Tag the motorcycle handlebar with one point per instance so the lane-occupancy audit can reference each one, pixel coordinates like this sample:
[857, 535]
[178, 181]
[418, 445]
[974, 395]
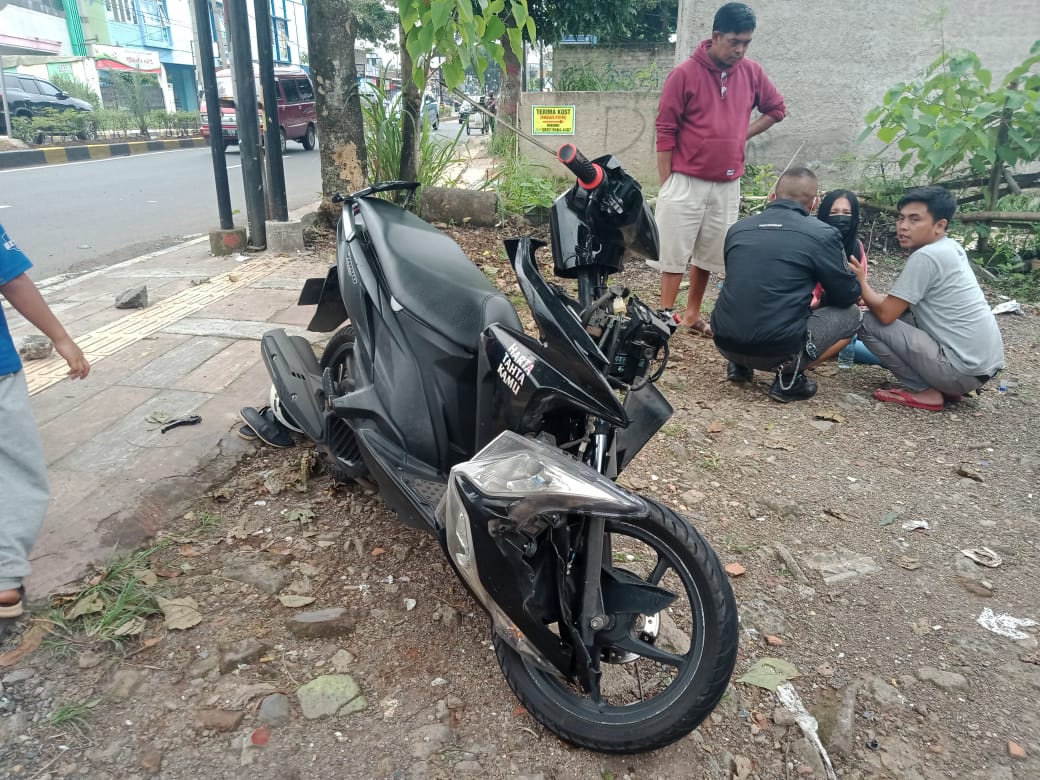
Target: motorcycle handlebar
[590, 175]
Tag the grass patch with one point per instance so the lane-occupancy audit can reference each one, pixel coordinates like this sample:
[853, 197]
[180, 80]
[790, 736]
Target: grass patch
[673, 430]
[74, 715]
[735, 547]
[524, 187]
[711, 461]
[113, 606]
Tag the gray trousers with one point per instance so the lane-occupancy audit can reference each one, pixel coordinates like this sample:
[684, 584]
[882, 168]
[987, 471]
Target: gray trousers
[826, 327]
[916, 359]
[23, 481]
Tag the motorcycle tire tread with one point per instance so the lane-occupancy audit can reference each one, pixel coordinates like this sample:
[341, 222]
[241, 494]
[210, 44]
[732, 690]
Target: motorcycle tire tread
[357, 470]
[630, 738]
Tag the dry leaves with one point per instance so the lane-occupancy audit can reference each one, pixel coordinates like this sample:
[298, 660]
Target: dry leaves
[180, 613]
[31, 640]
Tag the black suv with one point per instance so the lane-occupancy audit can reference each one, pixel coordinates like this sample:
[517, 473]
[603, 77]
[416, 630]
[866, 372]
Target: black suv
[28, 95]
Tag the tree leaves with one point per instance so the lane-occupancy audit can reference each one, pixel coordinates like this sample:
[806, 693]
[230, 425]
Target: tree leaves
[458, 31]
[954, 118]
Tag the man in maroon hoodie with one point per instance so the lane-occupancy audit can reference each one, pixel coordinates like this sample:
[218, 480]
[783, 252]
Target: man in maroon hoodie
[703, 123]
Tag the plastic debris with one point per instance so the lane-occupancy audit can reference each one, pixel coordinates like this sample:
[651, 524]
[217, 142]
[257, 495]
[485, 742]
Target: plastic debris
[916, 525]
[1005, 625]
[1007, 307]
[984, 556]
[788, 697]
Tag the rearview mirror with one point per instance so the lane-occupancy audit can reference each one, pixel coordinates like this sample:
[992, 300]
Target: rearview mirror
[62, 95]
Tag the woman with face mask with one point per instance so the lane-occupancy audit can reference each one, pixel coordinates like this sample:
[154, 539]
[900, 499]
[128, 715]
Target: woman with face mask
[840, 208]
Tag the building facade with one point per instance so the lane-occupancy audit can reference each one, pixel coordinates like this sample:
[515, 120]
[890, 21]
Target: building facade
[93, 40]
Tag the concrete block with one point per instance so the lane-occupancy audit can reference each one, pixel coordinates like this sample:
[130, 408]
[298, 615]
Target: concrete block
[227, 242]
[133, 298]
[285, 236]
[460, 206]
[35, 346]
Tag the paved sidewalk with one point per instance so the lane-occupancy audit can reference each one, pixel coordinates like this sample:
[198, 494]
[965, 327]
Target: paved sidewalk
[115, 479]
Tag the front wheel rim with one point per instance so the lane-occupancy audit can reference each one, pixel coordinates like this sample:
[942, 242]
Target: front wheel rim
[578, 703]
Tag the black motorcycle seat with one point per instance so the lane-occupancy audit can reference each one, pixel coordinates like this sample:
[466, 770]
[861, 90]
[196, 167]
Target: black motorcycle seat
[430, 276]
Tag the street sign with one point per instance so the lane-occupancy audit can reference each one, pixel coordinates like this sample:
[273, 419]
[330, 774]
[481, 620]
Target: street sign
[552, 120]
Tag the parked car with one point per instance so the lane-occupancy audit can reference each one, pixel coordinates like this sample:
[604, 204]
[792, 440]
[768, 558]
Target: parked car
[29, 96]
[428, 108]
[297, 117]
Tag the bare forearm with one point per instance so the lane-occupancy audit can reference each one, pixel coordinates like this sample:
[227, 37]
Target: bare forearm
[760, 125]
[25, 297]
[664, 166]
[871, 297]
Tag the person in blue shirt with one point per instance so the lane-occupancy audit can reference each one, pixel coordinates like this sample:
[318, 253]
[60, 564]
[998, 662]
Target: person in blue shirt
[23, 468]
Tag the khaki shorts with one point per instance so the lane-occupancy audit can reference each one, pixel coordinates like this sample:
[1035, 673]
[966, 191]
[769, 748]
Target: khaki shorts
[693, 216]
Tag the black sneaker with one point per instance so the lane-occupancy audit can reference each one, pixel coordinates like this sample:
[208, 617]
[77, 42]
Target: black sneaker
[800, 389]
[739, 373]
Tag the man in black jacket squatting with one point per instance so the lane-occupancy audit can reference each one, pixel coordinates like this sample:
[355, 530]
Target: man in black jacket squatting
[762, 318]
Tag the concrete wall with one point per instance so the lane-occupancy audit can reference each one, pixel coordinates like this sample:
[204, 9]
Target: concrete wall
[619, 123]
[646, 63]
[833, 60]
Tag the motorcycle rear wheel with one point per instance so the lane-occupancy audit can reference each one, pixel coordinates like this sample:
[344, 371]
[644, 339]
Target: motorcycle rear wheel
[340, 455]
[662, 688]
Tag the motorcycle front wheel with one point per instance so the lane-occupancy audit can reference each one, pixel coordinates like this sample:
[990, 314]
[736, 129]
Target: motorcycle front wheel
[670, 670]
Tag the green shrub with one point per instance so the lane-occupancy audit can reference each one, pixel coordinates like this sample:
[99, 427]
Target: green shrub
[118, 123]
[437, 155]
[606, 78]
[50, 123]
[78, 89]
[23, 129]
[525, 187]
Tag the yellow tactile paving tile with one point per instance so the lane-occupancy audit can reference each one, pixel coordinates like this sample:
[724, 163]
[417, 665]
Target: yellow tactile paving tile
[110, 339]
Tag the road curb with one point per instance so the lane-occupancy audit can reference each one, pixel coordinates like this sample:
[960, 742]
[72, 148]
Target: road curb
[22, 158]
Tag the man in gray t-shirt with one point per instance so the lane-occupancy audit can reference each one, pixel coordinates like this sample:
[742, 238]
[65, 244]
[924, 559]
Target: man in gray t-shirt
[934, 329]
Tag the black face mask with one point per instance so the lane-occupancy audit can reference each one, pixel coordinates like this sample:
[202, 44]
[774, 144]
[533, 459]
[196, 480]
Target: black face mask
[841, 221]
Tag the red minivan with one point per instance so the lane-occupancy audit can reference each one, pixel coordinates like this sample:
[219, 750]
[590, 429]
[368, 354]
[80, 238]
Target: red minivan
[297, 118]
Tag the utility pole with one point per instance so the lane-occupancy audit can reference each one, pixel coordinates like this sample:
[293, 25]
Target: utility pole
[248, 122]
[8, 122]
[277, 207]
[216, 130]
[219, 31]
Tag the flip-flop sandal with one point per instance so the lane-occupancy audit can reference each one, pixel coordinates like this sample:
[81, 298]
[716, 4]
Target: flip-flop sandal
[8, 611]
[897, 395]
[267, 428]
[246, 432]
[701, 328]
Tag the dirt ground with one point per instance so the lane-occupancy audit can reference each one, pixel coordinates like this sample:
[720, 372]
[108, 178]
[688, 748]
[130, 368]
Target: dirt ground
[816, 500]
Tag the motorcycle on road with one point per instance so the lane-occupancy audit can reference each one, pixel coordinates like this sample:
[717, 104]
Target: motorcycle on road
[612, 619]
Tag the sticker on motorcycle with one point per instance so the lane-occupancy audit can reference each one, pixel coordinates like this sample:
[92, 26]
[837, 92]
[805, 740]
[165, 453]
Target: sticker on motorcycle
[515, 367]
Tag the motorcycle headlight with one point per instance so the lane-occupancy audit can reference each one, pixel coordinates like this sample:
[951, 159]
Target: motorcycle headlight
[543, 476]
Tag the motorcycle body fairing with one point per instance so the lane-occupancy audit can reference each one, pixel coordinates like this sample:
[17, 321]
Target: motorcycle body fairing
[422, 399]
[505, 516]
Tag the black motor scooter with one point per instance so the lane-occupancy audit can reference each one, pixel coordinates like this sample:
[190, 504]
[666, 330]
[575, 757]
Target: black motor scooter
[613, 620]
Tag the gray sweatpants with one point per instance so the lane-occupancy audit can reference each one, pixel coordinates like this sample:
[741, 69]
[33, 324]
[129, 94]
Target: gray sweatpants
[916, 359]
[23, 481]
[826, 327]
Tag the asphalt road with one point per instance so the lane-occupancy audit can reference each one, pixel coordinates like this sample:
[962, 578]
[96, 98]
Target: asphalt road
[75, 217]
